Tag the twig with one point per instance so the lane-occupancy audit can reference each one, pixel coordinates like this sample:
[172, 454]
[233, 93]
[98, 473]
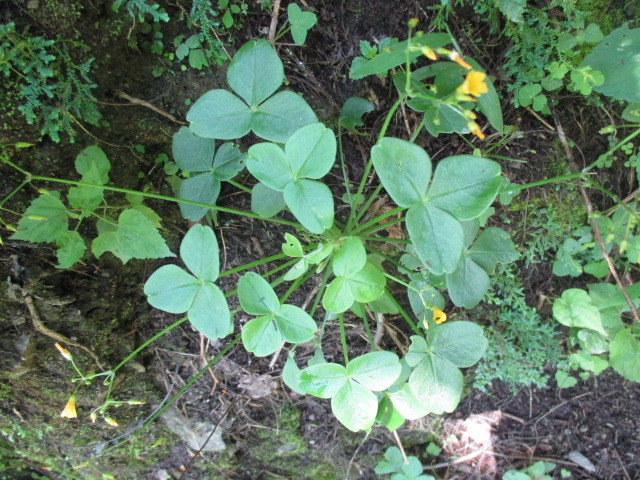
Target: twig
[43, 329]
[626, 474]
[274, 21]
[559, 406]
[203, 357]
[397, 439]
[455, 461]
[137, 101]
[594, 225]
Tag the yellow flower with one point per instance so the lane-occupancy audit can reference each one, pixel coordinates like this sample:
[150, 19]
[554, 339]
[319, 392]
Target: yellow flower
[111, 421]
[455, 57]
[70, 408]
[475, 129]
[64, 352]
[429, 53]
[474, 84]
[439, 316]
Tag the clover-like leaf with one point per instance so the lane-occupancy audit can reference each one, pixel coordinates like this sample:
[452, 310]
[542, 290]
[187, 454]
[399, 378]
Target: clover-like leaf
[300, 22]
[311, 202]
[376, 371]
[350, 257]
[311, 151]
[352, 111]
[355, 406]
[256, 295]
[323, 380]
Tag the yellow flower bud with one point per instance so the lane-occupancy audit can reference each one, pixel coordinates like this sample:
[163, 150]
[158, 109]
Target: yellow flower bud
[70, 408]
[111, 421]
[439, 316]
[474, 84]
[64, 352]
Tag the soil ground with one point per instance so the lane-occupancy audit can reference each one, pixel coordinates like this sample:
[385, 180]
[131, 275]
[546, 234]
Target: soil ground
[269, 432]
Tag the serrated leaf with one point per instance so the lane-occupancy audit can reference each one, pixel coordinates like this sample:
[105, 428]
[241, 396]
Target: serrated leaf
[134, 237]
[624, 355]
[45, 220]
[575, 309]
[71, 247]
[93, 165]
[352, 111]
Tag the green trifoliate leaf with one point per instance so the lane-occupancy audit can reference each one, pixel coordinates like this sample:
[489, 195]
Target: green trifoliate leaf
[323, 380]
[71, 247]
[575, 309]
[376, 371]
[468, 284]
[465, 186]
[134, 237]
[294, 324]
[363, 286]
[281, 115]
[256, 295]
[45, 220]
[210, 313]
[191, 152]
[292, 246]
[203, 188]
[260, 336]
[311, 151]
[199, 251]
[355, 406]
[349, 258]
[437, 384]
[171, 289]
[255, 72]
[406, 403]
[352, 111]
[461, 343]
[404, 170]
[311, 202]
[493, 246]
[300, 22]
[437, 237]
[625, 354]
[585, 78]
[268, 163]
[266, 201]
[220, 114]
[228, 162]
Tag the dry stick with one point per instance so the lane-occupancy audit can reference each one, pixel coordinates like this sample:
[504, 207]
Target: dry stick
[594, 225]
[455, 461]
[274, 21]
[42, 328]
[137, 101]
[626, 474]
[397, 439]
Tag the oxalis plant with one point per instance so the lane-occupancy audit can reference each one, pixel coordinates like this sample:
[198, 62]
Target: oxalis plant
[443, 208]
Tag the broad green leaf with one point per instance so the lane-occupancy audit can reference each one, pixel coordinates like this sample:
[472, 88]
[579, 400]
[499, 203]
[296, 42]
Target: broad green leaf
[44, 221]
[291, 375]
[591, 34]
[564, 381]
[575, 309]
[93, 165]
[368, 284]
[292, 246]
[441, 117]
[71, 247]
[199, 251]
[468, 284]
[171, 289]
[437, 237]
[617, 57]
[210, 313]
[295, 325]
[311, 202]
[423, 297]
[191, 152]
[624, 354]
[386, 304]
[255, 72]
[527, 93]
[268, 163]
[437, 384]
[376, 371]
[462, 343]
[300, 22]
[202, 188]
[296, 271]
[256, 295]
[261, 337]
[404, 170]
[355, 406]
[198, 59]
[228, 162]
[266, 201]
[493, 246]
[464, 185]
[281, 115]
[631, 113]
[311, 151]
[134, 237]
[388, 416]
[337, 297]
[87, 199]
[349, 258]
[394, 55]
[512, 9]
[406, 403]
[323, 380]
[220, 114]
[584, 78]
[352, 111]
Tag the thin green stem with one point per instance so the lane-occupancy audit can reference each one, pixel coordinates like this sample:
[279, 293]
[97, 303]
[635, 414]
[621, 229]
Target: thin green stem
[401, 282]
[343, 339]
[239, 185]
[592, 183]
[166, 198]
[257, 263]
[344, 168]
[323, 285]
[15, 190]
[373, 225]
[392, 260]
[384, 239]
[618, 145]
[405, 315]
[296, 283]
[367, 329]
[365, 206]
[561, 178]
